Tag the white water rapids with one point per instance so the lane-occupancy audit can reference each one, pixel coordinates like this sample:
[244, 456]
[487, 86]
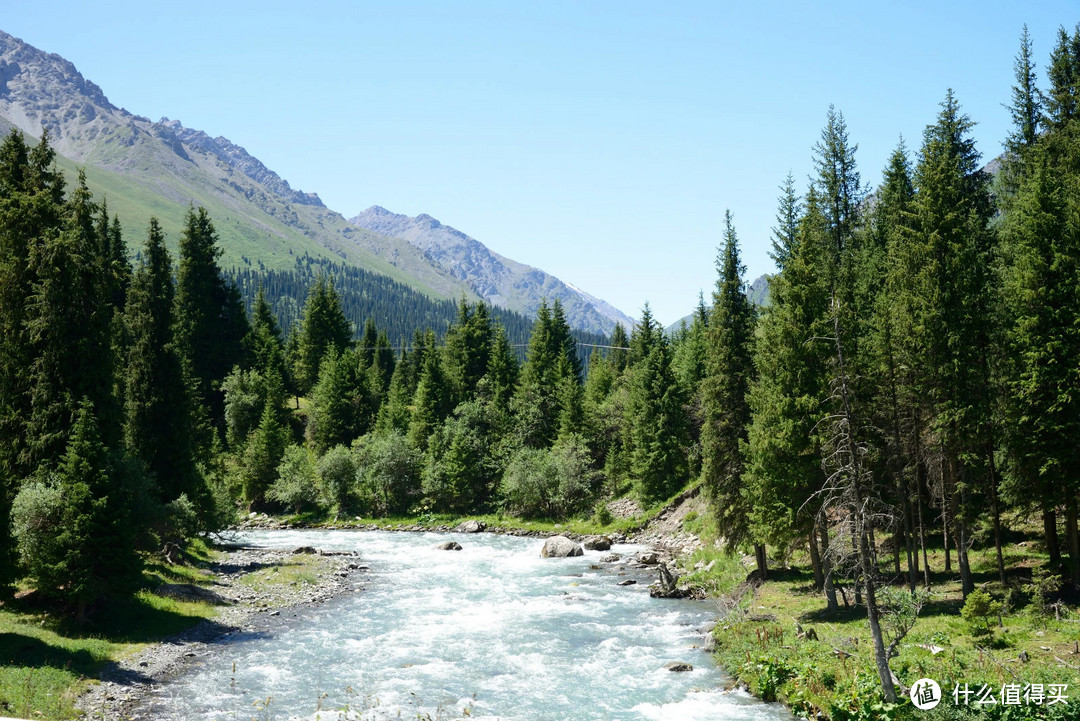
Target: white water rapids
[490, 632]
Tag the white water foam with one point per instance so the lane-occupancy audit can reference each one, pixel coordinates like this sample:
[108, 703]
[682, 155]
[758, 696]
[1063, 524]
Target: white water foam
[492, 631]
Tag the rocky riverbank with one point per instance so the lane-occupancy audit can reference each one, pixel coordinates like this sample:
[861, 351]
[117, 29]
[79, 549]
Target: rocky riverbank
[256, 589]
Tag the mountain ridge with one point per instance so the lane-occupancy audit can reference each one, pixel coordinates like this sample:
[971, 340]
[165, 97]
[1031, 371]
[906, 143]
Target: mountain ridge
[494, 277]
[159, 168]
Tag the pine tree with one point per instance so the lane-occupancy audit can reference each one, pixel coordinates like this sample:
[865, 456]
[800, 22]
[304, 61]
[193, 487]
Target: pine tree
[729, 372]
[787, 223]
[620, 345]
[341, 402]
[69, 320]
[1062, 101]
[263, 455]
[157, 420]
[211, 323]
[31, 205]
[656, 417]
[952, 251]
[94, 552]
[1041, 251]
[432, 402]
[1026, 108]
[324, 326]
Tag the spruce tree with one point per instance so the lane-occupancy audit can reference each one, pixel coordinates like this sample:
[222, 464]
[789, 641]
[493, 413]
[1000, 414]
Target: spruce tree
[656, 417]
[324, 326]
[787, 223]
[211, 323]
[69, 323]
[94, 551]
[157, 408]
[729, 371]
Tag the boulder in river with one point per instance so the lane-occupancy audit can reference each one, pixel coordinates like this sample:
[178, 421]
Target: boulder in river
[471, 527]
[449, 546]
[679, 667]
[560, 547]
[305, 549]
[597, 543]
[649, 559]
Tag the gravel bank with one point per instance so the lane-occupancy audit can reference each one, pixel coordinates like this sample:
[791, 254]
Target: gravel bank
[245, 608]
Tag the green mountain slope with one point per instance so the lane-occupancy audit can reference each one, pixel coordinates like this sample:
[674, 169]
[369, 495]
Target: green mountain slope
[146, 168]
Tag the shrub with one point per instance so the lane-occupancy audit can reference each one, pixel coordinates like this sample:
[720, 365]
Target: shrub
[555, 483]
[388, 471]
[338, 474]
[602, 514]
[980, 610]
[297, 484]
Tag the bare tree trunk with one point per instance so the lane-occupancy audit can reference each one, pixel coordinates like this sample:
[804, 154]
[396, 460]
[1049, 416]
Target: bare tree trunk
[1072, 537]
[1050, 535]
[919, 476]
[861, 518]
[944, 518]
[826, 561]
[967, 583]
[858, 589]
[762, 561]
[996, 508]
[815, 560]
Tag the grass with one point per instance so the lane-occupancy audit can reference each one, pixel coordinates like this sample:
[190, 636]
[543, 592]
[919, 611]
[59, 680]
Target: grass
[47, 660]
[835, 674]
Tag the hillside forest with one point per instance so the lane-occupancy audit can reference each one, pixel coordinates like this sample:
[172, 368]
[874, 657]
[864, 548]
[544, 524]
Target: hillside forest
[915, 373]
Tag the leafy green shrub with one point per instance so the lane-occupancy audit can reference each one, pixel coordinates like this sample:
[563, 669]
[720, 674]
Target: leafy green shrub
[553, 483]
[767, 675]
[388, 471]
[36, 518]
[979, 611]
[297, 484]
[338, 474]
[602, 514]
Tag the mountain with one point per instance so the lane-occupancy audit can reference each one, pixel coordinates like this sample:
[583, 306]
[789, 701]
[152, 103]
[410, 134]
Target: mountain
[146, 168]
[495, 278]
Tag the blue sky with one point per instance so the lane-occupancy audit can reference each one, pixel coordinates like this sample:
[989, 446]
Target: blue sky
[600, 141]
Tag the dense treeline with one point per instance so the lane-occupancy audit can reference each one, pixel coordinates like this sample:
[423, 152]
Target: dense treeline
[400, 310]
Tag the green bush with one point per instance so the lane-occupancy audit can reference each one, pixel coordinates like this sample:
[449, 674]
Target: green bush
[980, 610]
[388, 472]
[602, 514]
[338, 474]
[297, 484]
[554, 483]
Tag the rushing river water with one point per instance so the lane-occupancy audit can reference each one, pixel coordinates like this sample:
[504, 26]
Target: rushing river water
[493, 631]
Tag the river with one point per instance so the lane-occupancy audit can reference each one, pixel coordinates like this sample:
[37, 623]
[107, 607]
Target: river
[490, 632]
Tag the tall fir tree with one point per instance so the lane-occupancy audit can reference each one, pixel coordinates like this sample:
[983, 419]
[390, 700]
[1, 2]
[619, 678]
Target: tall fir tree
[729, 371]
[324, 326]
[157, 407]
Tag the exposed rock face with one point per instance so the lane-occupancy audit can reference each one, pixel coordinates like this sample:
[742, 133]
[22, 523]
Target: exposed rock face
[449, 546]
[560, 547]
[498, 280]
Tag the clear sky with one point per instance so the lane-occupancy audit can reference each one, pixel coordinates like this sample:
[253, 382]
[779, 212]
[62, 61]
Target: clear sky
[600, 141]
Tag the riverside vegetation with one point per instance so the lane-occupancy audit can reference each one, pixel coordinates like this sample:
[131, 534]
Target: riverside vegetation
[885, 427]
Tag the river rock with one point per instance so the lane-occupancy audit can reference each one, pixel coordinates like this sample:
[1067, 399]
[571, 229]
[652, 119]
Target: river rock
[627, 582]
[649, 559]
[471, 527]
[305, 549]
[449, 546]
[679, 667]
[560, 547]
[597, 543]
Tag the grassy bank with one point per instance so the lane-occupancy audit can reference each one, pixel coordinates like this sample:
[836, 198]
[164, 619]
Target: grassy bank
[829, 669]
[47, 659]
